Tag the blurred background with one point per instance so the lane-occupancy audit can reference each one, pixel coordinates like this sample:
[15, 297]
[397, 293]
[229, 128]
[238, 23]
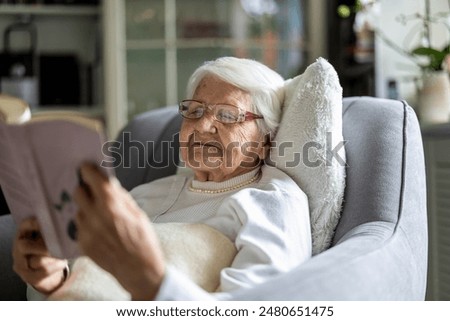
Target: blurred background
[117, 58]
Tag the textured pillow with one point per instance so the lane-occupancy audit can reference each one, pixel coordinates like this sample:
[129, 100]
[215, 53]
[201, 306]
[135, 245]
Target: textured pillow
[309, 146]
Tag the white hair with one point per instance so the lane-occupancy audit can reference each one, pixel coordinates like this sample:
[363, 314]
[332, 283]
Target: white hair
[264, 85]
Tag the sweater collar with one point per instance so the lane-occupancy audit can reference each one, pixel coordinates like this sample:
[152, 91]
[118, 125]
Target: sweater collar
[230, 184]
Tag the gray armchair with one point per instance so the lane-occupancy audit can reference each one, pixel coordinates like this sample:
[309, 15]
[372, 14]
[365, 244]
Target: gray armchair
[379, 250]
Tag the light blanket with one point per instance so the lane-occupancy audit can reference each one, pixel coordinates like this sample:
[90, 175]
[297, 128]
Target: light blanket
[197, 250]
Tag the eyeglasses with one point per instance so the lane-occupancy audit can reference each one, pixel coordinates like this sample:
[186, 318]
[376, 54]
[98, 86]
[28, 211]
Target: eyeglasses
[224, 113]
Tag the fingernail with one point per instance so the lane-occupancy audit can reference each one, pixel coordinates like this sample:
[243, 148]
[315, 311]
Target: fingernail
[82, 182]
[81, 176]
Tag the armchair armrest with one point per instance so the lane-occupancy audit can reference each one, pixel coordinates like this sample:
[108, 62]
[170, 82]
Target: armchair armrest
[373, 261]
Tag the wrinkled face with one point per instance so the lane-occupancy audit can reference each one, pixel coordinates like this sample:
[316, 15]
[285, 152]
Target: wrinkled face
[217, 151]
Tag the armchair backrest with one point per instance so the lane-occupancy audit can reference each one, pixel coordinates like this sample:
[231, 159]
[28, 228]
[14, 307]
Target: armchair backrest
[386, 169]
[148, 147]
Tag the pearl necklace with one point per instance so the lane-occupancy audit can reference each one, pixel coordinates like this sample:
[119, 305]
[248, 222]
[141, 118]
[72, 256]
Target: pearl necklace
[227, 189]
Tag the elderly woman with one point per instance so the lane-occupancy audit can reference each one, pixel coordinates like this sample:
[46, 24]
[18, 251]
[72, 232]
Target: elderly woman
[233, 107]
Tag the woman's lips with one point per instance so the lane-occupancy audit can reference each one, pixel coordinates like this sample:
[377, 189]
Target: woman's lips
[204, 143]
[208, 144]
[206, 149]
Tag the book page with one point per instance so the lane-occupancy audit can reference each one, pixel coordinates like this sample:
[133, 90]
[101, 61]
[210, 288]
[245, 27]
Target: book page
[72, 116]
[59, 148]
[17, 177]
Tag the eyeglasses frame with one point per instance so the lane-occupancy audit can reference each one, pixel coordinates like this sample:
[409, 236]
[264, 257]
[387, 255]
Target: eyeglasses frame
[247, 116]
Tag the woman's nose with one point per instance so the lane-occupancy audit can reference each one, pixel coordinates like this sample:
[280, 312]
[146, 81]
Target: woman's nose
[206, 123]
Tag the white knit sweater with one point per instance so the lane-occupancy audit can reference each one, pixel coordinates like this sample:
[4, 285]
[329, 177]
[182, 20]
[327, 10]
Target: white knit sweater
[268, 220]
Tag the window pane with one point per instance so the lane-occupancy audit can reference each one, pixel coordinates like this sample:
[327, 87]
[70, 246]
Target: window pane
[144, 19]
[146, 80]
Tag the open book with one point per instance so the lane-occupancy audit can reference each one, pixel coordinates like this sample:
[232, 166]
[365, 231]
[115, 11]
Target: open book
[39, 162]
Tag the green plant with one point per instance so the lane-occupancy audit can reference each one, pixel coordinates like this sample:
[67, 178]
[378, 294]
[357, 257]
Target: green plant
[426, 56]
[435, 57]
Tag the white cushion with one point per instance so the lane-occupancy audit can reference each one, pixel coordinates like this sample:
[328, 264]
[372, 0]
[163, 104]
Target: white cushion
[312, 111]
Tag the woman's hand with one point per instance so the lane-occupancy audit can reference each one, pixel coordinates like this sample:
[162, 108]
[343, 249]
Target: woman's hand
[115, 233]
[33, 263]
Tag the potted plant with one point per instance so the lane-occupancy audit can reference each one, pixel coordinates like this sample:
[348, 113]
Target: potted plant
[434, 91]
